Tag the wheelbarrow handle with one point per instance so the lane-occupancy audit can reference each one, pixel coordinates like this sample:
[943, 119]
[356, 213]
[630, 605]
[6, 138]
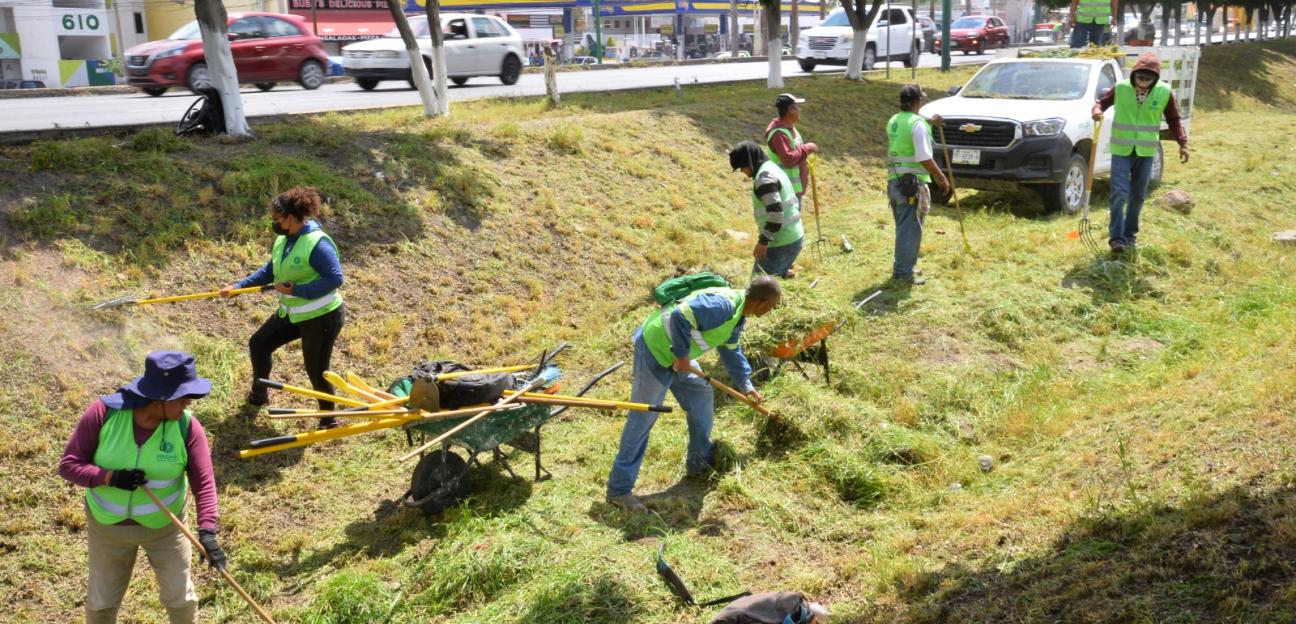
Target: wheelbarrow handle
[592, 382]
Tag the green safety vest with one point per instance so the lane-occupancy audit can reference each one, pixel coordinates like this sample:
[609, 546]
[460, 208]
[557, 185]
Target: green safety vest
[296, 268]
[163, 458]
[1093, 12]
[792, 230]
[794, 138]
[900, 151]
[1137, 128]
[656, 330]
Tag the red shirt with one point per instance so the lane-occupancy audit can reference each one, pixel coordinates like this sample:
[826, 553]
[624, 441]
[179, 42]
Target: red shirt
[1107, 99]
[787, 156]
[77, 465]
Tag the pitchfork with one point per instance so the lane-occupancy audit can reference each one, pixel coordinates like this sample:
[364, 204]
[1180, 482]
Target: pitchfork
[814, 192]
[1085, 230]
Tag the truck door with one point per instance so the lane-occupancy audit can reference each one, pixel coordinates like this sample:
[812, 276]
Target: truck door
[1106, 80]
[901, 34]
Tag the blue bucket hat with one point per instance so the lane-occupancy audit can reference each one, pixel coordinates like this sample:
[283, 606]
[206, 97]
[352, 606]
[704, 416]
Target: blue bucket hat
[168, 375]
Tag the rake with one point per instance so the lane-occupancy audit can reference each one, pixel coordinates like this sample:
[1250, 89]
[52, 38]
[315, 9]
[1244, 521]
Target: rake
[814, 192]
[1084, 231]
[128, 300]
[958, 208]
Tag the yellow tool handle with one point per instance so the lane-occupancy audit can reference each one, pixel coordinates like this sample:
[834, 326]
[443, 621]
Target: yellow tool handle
[558, 399]
[731, 392]
[339, 382]
[265, 615]
[1093, 155]
[201, 295]
[483, 371]
[314, 394]
[358, 382]
[365, 414]
[283, 443]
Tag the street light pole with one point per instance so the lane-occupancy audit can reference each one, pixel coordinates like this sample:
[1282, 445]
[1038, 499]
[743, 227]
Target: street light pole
[598, 33]
[945, 35]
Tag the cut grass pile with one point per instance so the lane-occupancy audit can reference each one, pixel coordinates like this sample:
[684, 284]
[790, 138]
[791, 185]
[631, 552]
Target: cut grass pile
[1136, 411]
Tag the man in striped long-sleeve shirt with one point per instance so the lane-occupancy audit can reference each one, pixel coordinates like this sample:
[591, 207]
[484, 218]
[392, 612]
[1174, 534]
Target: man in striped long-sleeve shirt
[776, 209]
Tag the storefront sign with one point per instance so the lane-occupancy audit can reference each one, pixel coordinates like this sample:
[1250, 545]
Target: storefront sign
[9, 46]
[340, 5]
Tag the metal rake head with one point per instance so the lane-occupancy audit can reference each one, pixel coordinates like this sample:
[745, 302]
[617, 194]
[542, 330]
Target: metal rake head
[115, 303]
[1087, 236]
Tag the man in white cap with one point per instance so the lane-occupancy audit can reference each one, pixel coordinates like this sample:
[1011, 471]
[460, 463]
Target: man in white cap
[783, 143]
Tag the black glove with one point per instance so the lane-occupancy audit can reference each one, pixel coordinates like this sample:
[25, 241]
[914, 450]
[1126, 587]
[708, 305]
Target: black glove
[215, 556]
[127, 479]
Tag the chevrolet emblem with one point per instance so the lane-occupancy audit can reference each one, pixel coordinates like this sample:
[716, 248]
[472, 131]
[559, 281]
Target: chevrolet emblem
[970, 128]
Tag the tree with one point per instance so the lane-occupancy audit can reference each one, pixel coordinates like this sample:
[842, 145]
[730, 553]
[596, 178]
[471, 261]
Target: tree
[861, 20]
[733, 29]
[773, 13]
[213, 23]
[434, 99]
[794, 25]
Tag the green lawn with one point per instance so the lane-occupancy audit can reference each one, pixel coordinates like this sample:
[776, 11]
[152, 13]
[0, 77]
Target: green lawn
[1136, 411]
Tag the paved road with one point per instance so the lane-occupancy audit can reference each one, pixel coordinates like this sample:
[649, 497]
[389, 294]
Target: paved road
[45, 113]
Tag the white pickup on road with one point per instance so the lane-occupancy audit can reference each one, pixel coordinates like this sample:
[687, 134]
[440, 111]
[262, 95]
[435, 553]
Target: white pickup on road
[1027, 121]
[894, 36]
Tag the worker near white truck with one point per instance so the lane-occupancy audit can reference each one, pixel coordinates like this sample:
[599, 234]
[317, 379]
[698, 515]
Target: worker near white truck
[911, 166]
[1135, 135]
[1089, 20]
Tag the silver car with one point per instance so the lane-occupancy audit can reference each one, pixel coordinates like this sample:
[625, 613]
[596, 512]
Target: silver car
[475, 45]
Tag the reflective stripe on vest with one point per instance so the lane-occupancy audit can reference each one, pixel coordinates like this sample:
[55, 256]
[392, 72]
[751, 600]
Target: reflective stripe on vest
[900, 149]
[164, 459]
[1093, 12]
[295, 267]
[794, 140]
[1137, 127]
[657, 331]
[792, 230]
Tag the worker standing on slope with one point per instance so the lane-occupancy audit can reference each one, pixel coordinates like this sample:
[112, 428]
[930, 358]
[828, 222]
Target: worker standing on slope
[1140, 104]
[776, 208]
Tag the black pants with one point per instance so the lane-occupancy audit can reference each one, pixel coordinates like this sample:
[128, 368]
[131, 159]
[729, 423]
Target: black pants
[317, 336]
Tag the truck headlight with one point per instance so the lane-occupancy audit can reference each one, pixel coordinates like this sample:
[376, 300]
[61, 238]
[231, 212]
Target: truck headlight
[1044, 127]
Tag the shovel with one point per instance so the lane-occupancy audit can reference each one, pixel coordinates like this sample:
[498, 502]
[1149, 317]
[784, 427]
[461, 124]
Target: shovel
[125, 301]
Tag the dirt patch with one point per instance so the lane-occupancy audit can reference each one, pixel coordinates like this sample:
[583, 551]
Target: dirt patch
[1138, 346]
[1080, 356]
[946, 347]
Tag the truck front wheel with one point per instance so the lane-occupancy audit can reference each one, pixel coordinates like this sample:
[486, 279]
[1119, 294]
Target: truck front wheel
[1067, 195]
[806, 66]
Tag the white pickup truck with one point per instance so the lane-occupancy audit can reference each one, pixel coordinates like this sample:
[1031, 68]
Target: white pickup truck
[1026, 121]
[894, 36]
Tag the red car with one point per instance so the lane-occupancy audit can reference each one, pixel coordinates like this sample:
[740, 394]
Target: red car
[975, 33]
[267, 48]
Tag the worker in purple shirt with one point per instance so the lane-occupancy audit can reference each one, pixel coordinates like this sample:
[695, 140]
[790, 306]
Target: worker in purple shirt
[666, 346]
[143, 436]
[307, 274]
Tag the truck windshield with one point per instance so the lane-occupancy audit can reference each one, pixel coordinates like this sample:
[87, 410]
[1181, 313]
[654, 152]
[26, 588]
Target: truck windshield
[1030, 81]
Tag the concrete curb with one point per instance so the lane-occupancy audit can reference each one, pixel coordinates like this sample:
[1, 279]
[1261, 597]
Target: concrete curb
[634, 64]
[12, 94]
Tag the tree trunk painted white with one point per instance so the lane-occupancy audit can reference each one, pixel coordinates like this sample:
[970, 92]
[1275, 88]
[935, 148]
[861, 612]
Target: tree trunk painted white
[418, 71]
[855, 62]
[438, 56]
[551, 77]
[213, 23]
[775, 79]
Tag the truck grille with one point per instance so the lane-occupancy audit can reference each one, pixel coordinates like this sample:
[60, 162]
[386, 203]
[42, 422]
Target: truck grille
[358, 54]
[822, 43]
[987, 134]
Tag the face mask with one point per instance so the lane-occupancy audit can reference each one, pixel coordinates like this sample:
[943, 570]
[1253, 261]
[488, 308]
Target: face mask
[277, 229]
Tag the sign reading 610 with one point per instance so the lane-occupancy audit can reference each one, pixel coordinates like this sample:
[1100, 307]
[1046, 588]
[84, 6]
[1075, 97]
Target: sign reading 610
[81, 22]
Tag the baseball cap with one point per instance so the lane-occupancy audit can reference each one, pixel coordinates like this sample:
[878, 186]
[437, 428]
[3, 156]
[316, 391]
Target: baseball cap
[787, 99]
[911, 93]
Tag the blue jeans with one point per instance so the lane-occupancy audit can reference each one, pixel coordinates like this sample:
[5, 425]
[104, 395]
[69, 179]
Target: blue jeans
[909, 227]
[1084, 34]
[649, 384]
[778, 259]
[1129, 184]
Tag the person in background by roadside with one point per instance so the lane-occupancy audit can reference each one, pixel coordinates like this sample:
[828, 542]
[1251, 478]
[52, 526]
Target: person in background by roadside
[307, 274]
[776, 208]
[144, 437]
[911, 167]
[783, 142]
[666, 346]
[1140, 104]
[1089, 20]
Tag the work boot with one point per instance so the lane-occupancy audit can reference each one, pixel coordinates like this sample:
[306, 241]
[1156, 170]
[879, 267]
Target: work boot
[629, 504]
[1117, 247]
[256, 399]
[329, 423]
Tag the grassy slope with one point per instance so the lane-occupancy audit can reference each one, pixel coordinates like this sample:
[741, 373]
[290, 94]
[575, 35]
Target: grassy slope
[1134, 410]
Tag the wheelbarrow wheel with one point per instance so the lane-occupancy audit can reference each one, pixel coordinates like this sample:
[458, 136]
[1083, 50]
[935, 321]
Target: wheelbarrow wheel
[440, 480]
